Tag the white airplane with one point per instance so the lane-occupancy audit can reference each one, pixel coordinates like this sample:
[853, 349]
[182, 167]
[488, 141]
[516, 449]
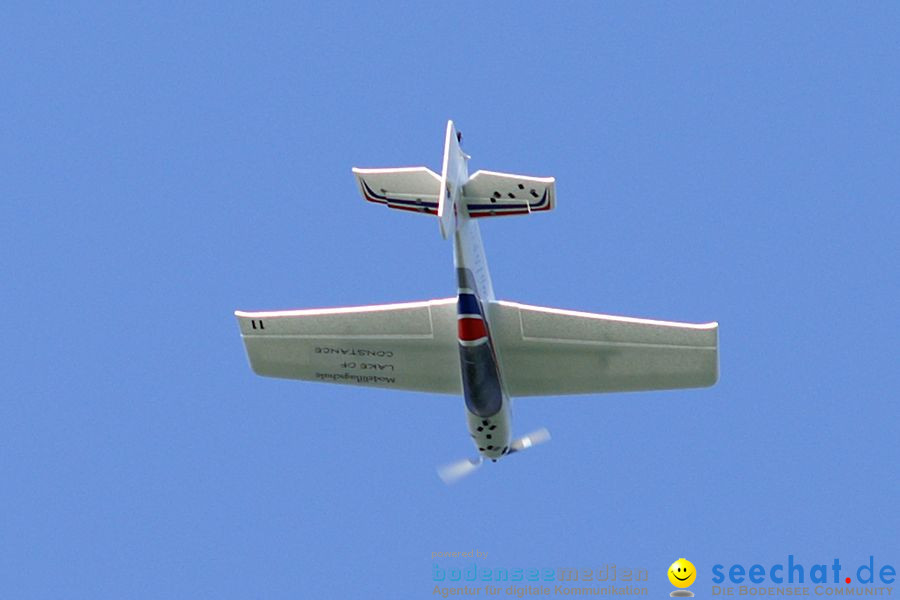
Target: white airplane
[487, 350]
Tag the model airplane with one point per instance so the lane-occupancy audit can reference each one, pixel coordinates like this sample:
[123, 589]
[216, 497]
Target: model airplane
[472, 344]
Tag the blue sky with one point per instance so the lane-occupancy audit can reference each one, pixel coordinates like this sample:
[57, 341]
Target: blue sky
[165, 165]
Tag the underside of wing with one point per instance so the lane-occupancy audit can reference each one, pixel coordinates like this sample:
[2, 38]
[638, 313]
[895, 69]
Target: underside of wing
[492, 194]
[409, 346]
[548, 352]
[406, 188]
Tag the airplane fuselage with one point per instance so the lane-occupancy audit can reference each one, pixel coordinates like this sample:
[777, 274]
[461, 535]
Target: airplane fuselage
[487, 403]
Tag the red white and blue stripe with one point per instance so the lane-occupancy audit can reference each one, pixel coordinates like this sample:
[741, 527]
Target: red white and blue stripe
[417, 205]
[472, 330]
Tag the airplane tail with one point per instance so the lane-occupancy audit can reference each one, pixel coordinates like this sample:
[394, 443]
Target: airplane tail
[454, 173]
[453, 195]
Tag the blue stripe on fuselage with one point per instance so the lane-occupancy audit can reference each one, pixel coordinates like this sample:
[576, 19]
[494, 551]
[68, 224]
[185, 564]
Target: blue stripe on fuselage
[467, 304]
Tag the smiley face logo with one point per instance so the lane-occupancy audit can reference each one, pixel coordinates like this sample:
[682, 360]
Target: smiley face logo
[682, 573]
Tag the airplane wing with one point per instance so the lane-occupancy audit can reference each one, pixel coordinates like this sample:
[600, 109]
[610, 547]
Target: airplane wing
[549, 352]
[410, 346]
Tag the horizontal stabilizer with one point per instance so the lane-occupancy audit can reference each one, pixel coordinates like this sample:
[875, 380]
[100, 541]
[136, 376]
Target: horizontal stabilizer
[490, 194]
[408, 188]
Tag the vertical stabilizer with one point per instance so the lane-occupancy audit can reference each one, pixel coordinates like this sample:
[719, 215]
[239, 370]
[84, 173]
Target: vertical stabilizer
[454, 174]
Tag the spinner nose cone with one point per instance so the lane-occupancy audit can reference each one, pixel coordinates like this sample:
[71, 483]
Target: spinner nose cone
[492, 452]
[491, 438]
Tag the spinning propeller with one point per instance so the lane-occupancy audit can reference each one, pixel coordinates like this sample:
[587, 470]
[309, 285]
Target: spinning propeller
[455, 471]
